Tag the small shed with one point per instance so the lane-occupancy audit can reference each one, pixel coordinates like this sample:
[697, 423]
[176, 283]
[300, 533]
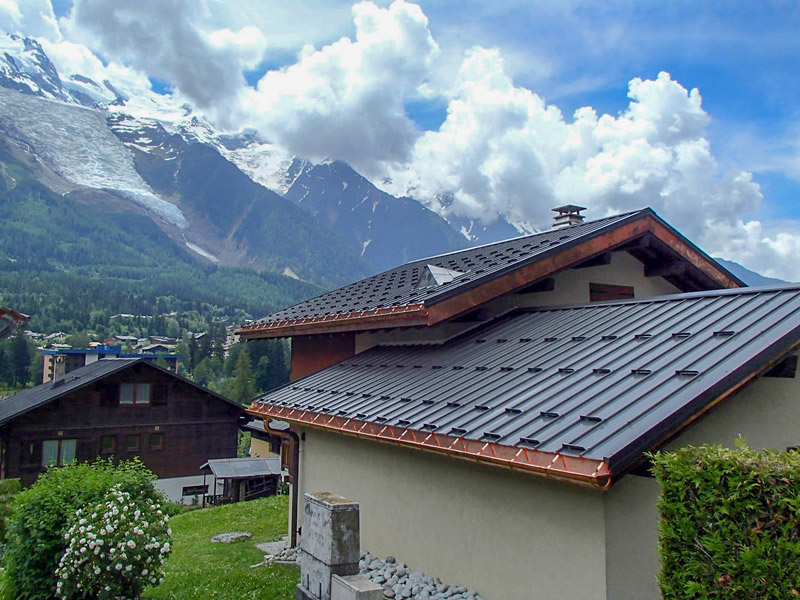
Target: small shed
[242, 478]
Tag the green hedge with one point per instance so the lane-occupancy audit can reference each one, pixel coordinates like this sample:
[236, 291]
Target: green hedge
[9, 488]
[43, 513]
[730, 523]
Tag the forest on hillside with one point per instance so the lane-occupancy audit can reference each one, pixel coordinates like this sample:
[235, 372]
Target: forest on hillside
[72, 267]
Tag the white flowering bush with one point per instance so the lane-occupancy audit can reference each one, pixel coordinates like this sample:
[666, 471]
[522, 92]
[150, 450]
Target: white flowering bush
[114, 548]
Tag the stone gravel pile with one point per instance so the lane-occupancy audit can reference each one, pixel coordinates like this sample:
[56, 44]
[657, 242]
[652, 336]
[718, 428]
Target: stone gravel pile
[291, 555]
[400, 582]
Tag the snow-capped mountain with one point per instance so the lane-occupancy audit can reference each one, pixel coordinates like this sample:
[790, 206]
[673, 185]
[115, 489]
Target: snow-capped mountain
[227, 197]
[386, 230]
[25, 67]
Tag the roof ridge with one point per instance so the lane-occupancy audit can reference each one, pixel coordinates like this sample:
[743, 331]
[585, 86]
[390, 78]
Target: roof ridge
[520, 237]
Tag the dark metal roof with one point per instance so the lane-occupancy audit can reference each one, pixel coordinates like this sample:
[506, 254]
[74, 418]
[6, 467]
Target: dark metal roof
[600, 381]
[398, 287]
[242, 468]
[40, 395]
[37, 396]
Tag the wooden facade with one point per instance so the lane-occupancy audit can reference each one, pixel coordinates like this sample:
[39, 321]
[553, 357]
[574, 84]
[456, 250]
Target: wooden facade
[172, 425]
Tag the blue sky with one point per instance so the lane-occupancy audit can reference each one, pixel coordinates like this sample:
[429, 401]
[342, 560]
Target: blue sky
[742, 56]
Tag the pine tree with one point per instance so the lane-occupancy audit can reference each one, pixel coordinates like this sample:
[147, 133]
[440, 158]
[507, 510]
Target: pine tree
[19, 359]
[243, 386]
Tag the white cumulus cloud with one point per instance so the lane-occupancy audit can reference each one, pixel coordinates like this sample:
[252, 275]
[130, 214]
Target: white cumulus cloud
[30, 18]
[502, 150]
[167, 40]
[346, 100]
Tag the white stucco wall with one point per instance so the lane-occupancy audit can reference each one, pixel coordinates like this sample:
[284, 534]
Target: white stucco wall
[510, 536]
[571, 287]
[766, 413]
[172, 487]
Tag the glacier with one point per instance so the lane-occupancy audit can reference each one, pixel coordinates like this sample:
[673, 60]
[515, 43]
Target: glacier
[100, 161]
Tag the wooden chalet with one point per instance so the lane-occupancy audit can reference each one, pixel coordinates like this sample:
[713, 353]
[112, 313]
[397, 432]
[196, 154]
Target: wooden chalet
[120, 408]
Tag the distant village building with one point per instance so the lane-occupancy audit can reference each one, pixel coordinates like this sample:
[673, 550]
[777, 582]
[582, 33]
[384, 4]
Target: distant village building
[490, 408]
[121, 408]
[60, 361]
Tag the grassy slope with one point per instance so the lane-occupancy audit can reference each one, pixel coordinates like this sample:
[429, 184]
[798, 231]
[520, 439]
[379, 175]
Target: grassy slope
[199, 569]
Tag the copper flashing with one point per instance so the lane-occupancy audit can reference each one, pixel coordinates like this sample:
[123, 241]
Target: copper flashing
[573, 469]
[407, 315]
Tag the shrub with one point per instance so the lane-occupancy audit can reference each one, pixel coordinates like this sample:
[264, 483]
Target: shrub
[9, 488]
[114, 548]
[729, 523]
[43, 513]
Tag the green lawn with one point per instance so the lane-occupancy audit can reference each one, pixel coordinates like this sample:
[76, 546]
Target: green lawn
[199, 569]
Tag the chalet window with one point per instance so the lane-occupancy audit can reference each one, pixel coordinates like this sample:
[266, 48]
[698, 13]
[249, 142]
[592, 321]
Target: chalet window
[194, 490]
[57, 452]
[132, 443]
[156, 441]
[108, 394]
[599, 292]
[108, 443]
[134, 393]
[160, 393]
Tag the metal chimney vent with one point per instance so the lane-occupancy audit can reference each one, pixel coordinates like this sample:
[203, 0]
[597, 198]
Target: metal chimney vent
[432, 275]
[568, 215]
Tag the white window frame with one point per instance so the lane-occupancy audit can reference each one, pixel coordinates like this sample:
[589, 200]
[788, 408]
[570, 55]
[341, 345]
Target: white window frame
[131, 394]
[64, 454]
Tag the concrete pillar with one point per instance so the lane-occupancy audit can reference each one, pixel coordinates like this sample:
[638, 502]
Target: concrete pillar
[330, 544]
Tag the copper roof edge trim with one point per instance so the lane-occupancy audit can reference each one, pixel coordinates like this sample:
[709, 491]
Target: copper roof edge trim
[571, 469]
[17, 316]
[403, 312]
[708, 258]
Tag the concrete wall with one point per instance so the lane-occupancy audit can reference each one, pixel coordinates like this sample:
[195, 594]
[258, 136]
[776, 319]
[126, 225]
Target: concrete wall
[765, 413]
[508, 535]
[631, 521]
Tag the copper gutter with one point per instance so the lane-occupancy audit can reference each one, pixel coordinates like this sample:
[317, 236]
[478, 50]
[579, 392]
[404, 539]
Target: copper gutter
[573, 469]
[294, 474]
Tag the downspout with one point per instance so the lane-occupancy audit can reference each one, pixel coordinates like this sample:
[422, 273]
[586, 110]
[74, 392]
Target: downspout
[294, 471]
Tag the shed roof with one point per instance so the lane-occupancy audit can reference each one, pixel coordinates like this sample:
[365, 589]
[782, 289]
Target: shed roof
[32, 398]
[400, 294]
[584, 388]
[243, 468]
